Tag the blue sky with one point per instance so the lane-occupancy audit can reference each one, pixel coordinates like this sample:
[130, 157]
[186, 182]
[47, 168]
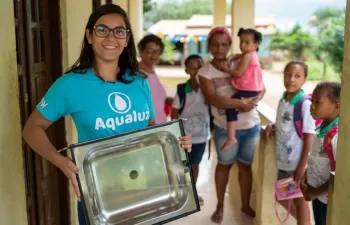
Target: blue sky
[288, 12]
[285, 11]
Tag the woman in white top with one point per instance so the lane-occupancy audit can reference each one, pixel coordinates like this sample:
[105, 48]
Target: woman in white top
[217, 89]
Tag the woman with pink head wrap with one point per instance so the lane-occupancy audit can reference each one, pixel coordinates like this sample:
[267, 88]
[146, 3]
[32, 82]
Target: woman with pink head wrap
[217, 89]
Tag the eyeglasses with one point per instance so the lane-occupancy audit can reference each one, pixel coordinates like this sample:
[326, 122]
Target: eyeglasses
[152, 51]
[104, 31]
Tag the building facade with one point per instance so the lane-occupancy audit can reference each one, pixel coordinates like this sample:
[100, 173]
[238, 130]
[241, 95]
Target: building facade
[39, 39]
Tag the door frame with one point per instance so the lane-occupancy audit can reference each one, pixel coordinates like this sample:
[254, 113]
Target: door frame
[32, 163]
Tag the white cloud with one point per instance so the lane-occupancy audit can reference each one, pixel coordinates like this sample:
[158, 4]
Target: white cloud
[291, 11]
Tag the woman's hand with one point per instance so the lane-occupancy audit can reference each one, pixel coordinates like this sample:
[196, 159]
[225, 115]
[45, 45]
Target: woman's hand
[303, 189]
[269, 132]
[169, 100]
[246, 104]
[186, 142]
[70, 170]
[310, 193]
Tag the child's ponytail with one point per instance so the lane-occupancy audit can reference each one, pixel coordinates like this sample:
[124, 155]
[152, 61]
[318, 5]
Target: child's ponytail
[240, 31]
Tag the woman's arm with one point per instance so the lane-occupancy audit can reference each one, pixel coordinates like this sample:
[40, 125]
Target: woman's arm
[261, 95]
[223, 102]
[151, 122]
[313, 193]
[175, 114]
[34, 134]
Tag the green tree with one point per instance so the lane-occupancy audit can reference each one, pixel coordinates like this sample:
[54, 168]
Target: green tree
[321, 15]
[176, 9]
[169, 51]
[331, 41]
[148, 5]
[329, 47]
[321, 55]
[296, 41]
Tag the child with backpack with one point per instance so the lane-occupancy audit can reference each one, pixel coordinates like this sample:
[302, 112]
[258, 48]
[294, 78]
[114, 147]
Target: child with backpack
[247, 77]
[325, 107]
[294, 131]
[189, 103]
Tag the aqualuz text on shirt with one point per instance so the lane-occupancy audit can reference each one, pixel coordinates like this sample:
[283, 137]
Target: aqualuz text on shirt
[113, 123]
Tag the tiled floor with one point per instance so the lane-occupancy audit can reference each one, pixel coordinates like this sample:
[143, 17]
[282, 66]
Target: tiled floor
[206, 189]
[206, 185]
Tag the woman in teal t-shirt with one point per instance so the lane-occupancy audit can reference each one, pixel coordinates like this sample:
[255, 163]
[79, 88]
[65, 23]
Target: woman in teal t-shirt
[103, 92]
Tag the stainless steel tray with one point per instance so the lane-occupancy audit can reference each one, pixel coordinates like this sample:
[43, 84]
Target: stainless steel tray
[140, 177]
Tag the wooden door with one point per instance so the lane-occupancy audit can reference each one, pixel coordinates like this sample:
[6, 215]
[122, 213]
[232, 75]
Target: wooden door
[39, 65]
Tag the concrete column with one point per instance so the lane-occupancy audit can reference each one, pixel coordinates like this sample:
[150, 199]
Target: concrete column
[12, 188]
[242, 15]
[134, 9]
[136, 18]
[341, 196]
[219, 13]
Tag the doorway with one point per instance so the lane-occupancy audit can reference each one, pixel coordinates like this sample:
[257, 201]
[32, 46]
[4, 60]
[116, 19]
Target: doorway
[39, 58]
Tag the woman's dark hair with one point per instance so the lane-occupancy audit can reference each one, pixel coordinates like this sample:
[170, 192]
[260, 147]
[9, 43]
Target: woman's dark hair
[127, 59]
[300, 63]
[257, 36]
[187, 60]
[151, 38]
[332, 88]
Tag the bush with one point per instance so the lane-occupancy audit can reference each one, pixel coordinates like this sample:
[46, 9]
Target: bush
[316, 71]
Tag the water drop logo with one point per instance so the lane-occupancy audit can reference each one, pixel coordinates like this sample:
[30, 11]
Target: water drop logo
[119, 102]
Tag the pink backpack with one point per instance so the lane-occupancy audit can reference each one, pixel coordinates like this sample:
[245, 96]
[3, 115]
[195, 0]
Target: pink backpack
[328, 147]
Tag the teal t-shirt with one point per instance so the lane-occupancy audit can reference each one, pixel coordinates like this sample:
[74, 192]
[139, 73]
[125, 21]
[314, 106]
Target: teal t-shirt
[99, 109]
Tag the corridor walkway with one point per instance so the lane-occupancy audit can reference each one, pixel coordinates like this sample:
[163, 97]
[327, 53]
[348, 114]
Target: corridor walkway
[206, 189]
[170, 77]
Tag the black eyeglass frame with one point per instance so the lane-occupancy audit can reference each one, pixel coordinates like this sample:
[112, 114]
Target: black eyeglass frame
[127, 32]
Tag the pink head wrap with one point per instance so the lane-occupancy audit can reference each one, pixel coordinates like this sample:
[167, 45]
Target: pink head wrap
[219, 30]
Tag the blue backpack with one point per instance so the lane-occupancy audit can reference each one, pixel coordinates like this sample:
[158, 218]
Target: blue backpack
[182, 96]
[298, 117]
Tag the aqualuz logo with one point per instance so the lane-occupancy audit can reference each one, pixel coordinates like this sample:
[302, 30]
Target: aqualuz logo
[120, 103]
